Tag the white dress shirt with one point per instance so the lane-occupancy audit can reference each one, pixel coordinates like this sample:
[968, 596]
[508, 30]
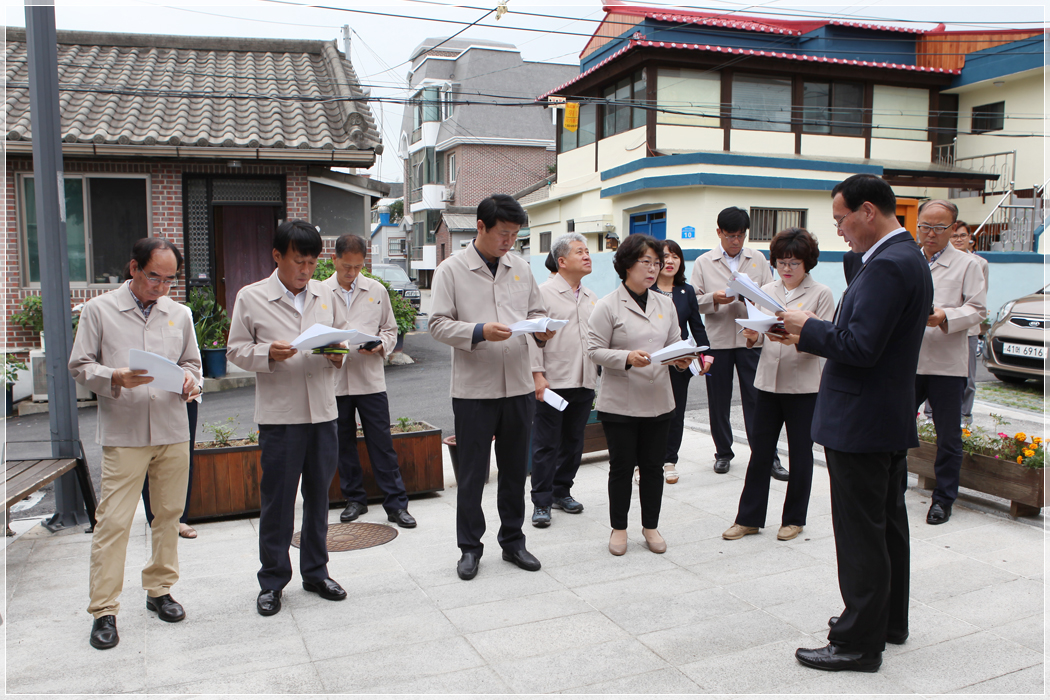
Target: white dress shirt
[871, 251]
[298, 299]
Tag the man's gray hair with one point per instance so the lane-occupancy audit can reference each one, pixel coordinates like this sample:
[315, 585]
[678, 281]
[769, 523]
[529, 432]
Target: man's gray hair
[561, 247]
[952, 209]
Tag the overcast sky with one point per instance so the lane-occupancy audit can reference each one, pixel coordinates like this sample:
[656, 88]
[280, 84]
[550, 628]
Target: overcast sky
[380, 45]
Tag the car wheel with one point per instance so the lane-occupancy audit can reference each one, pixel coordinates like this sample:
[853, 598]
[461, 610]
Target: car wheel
[1009, 379]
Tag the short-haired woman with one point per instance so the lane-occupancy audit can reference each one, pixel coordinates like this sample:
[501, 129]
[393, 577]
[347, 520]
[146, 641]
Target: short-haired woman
[787, 381]
[671, 283]
[635, 401]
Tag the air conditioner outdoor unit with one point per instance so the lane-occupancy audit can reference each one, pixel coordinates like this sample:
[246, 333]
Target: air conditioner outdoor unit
[449, 194]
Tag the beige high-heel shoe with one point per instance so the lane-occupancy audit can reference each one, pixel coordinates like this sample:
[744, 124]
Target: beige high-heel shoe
[618, 543]
[654, 541]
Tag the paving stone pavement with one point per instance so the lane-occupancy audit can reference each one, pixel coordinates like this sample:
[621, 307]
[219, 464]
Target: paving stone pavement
[707, 617]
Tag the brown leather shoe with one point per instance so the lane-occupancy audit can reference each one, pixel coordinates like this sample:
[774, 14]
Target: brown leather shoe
[618, 543]
[654, 541]
[788, 532]
[738, 531]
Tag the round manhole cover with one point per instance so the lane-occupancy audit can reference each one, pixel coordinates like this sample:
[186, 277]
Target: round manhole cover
[344, 537]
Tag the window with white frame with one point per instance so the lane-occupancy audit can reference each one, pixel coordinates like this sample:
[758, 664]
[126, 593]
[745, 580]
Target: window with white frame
[545, 242]
[766, 223]
[761, 103]
[447, 104]
[451, 160]
[687, 96]
[395, 246]
[104, 218]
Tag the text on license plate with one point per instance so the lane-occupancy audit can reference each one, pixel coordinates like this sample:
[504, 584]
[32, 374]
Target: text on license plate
[1025, 350]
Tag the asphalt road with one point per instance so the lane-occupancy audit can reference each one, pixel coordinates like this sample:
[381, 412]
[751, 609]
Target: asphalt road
[419, 391]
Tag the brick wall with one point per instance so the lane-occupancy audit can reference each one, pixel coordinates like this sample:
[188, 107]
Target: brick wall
[485, 170]
[167, 221]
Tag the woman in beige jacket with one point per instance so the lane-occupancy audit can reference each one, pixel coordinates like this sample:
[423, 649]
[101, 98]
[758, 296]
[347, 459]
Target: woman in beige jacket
[787, 381]
[635, 402]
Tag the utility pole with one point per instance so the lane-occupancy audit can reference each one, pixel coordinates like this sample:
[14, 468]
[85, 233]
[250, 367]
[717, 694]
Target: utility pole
[49, 184]
[346, 41]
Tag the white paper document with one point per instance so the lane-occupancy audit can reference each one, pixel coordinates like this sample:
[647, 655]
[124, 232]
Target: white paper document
[758, 321]
[320, 335]
[552, 399]
[674, 351]
[536, 325]
[746, 287]
[166, 374]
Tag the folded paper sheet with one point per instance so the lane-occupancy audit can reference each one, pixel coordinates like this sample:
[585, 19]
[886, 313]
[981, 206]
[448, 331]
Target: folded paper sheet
[536, 325]
[746, 287]
[553, 400]
[758, 321]
[320, 335]
[166, 374]
[674, 351]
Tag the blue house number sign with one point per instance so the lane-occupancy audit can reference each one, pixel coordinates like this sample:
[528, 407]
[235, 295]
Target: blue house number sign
[688, 232]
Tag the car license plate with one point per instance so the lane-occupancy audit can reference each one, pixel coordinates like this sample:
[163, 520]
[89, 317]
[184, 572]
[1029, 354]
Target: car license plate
[1025, 350]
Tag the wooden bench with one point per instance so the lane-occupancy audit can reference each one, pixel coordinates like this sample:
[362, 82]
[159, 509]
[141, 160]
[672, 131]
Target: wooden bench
[24, 476]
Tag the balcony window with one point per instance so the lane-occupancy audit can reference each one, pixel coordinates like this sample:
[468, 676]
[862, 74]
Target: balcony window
[688, 97]
[833, 108]
[900, 113]
[585, 132]
[620, 116]
[761, 103]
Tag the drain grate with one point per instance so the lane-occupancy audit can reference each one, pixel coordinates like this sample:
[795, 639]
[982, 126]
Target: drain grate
[345, 537]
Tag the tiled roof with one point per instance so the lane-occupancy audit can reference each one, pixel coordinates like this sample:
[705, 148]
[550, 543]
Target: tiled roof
[197, 91]
[746, 52]
[748, 24]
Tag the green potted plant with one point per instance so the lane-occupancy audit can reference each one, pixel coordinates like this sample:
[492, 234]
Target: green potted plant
[1007, 466]
[404, 312]
[212, 326]
[31, 317]
[11, 367]
[227, 473]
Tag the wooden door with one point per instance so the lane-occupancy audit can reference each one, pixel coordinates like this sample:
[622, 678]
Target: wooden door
[243, 248]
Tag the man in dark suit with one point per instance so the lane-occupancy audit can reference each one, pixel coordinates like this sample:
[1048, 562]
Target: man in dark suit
[865, 418]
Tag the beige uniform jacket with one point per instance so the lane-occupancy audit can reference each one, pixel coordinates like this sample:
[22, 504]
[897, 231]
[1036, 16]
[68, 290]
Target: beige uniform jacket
[782, 369]
[302, 388]
[370, 312]
[110, 325]
[976, 330]
[464, 294]
[959, 287]
[564, 359]
[711, 274]
[618, 326]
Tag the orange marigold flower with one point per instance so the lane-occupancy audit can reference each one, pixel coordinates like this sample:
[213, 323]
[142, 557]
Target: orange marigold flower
[966, 432]
[1029, 453]
[1020, 459]
[1037, 440]
[1020, 437]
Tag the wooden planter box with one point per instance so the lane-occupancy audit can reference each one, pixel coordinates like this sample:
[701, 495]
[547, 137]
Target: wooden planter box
[594, 435]
[1022, 485]
[226, 479]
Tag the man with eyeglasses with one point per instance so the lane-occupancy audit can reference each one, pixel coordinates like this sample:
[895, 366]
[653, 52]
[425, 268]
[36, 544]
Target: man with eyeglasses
[960, 292]
[710, 277]
[143, 430]
[476, 296]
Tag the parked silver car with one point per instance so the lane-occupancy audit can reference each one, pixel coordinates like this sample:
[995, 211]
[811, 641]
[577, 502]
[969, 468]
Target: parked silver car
[1015, 349]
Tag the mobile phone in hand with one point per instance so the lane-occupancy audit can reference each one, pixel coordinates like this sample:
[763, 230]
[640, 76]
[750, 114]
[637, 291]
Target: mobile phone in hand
[372, 344]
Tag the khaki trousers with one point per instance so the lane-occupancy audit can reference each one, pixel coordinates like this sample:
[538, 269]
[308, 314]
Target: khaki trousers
[123, 471]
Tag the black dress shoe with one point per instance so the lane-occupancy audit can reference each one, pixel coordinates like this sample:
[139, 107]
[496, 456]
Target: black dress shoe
[541, 517]
[327, 589]
[833, 658]
[891, 637]
[939, 513]
[568, 504]
[268, 603]
[353, 511]
[779, 473]
[721, 465]
[402, 518]
[166, 608]
[467, 568]
[522, 559]
[104, 632]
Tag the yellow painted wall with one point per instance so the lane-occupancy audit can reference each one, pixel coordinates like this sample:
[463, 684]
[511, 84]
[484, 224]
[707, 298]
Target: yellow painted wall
[762, 142]
[832, 146]
[621, 148]
[672, 138]
[901, 150]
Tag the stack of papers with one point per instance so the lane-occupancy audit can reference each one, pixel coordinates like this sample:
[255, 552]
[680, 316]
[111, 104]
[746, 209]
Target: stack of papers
[674, 351]
[536, 325]
[320, 335]
[758, 321]
[745, 287]
[166, 374]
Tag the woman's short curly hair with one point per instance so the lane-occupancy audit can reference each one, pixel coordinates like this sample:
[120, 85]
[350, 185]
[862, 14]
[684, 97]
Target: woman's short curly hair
[633, 248]
[795, 243]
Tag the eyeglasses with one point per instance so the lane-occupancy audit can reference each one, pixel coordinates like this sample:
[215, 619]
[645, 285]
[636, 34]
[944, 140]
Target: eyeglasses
[157, 280]
[648, 262]
[927, 228]
[793, 264]
[734, 236]
[840, 219]
[960, 236]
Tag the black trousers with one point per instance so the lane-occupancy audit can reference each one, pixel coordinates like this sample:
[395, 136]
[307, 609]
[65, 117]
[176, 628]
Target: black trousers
[772, 412]
[636, 443]
[871, 543]
[374, 410]
[946, 398]
[191, 412]
[557, 445]
[720, 394]
[680, 387]
[289, 452]
[509, 420]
